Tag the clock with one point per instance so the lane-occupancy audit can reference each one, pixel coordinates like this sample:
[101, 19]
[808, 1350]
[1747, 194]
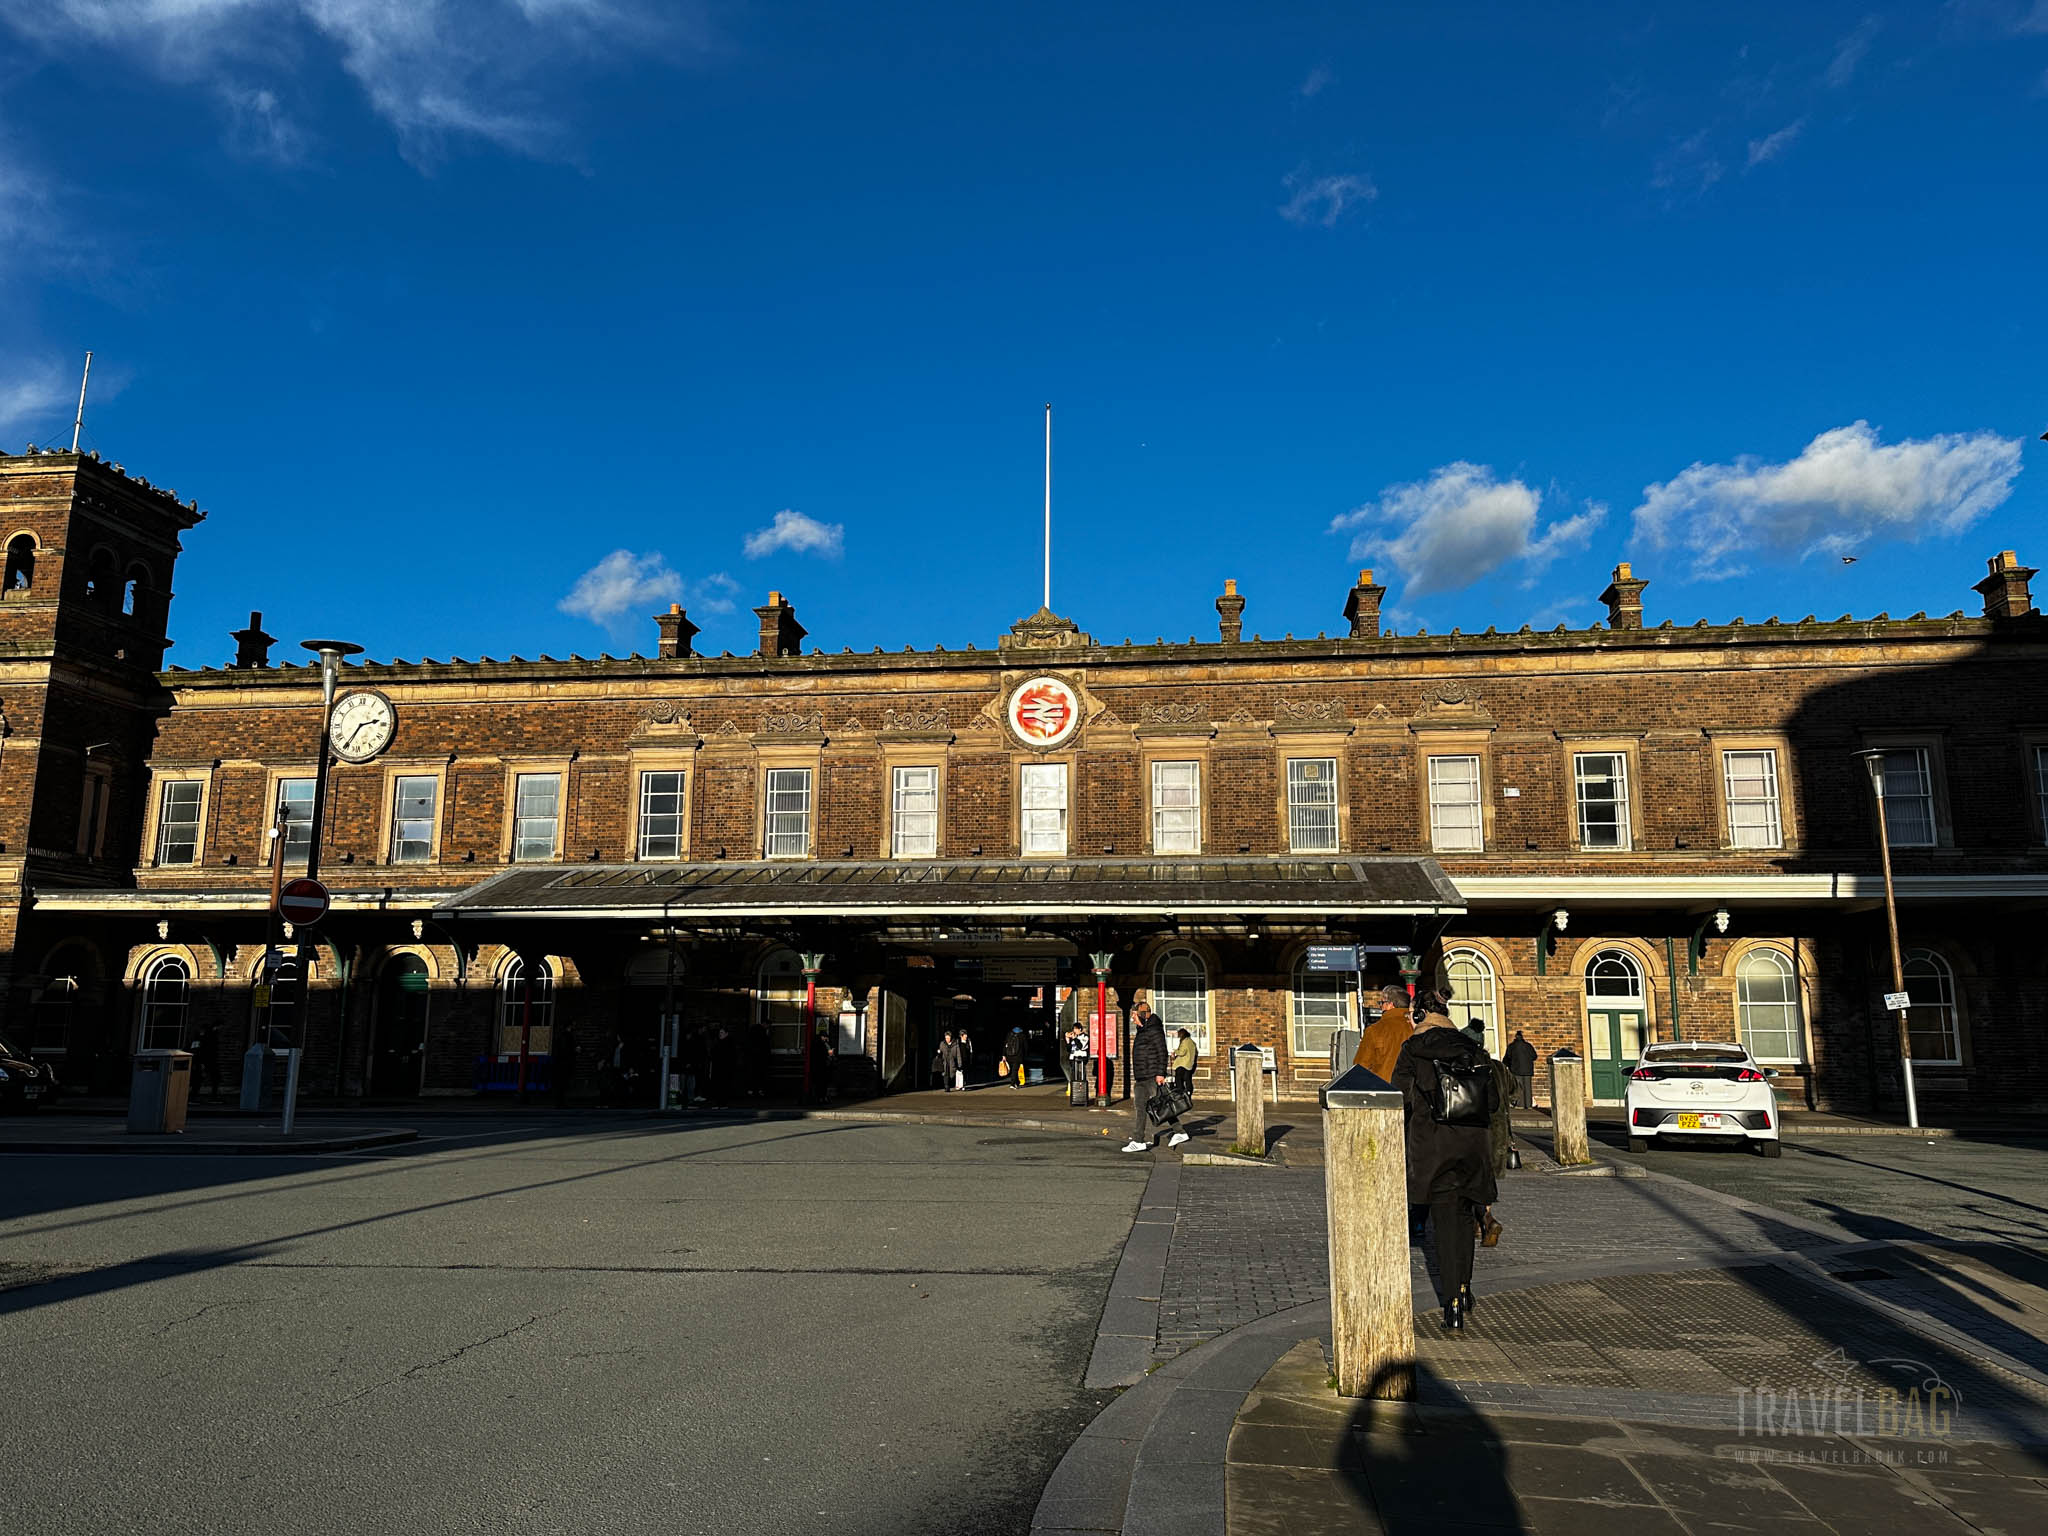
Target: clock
[361, 726]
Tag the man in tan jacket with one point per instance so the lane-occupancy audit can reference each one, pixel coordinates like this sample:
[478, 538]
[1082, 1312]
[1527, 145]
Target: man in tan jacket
[1381, 1043]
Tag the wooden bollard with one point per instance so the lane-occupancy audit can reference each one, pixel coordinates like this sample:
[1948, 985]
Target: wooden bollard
[1248, 1087]
[1568, 1110]
[1372, 1308]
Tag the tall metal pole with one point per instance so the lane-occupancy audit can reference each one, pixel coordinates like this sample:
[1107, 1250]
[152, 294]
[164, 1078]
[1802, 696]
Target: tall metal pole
[811, 964]
[525, 1022]
[78, 421]
[331, 653]
[1874, 761]
[1048, 506]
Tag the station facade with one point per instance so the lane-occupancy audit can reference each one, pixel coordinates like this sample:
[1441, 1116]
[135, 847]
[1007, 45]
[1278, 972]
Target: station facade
[1598, 837]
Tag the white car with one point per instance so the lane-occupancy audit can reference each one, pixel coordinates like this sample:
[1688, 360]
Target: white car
[1701, 1088]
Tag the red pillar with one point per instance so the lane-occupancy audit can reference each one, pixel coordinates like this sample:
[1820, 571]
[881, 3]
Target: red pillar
[1102, 1035]
[810, 1028]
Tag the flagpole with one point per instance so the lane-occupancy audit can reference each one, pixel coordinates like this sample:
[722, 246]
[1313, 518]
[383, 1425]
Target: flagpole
[1048, 506]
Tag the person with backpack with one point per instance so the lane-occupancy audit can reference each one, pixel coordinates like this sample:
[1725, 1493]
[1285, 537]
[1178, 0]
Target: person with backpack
[1149, 1063]
[1449, 1090]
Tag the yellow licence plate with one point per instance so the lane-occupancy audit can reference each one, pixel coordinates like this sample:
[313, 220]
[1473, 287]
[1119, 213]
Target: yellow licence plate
[1690, 1122]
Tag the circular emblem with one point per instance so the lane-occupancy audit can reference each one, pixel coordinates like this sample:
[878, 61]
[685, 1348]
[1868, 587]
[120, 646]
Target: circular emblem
[1044, 712]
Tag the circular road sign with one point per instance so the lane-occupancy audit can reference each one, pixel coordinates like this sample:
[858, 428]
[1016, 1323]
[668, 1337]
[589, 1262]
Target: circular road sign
[302, 901]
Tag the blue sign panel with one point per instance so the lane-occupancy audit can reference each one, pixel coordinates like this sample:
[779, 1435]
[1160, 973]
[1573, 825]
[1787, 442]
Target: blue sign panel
[1333, 957]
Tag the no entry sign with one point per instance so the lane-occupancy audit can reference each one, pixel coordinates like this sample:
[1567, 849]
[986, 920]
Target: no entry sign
[302, 901]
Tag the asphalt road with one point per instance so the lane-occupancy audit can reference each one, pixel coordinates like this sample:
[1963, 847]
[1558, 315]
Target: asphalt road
[614, 1327]
[1895, 1188]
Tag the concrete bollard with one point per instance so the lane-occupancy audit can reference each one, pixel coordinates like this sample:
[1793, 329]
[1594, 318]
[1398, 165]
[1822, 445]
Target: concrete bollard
[1568, 1110]
[1365, 1174]
[1248, 1087]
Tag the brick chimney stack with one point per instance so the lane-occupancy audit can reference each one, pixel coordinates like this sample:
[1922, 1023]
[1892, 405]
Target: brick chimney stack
[1362, 608]
[781, 635]
[2005, 590]
[1624, 599]
[677, 632]
[1230, 613]
[252, 646]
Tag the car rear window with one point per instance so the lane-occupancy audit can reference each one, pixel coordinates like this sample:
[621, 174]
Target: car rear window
[1703, 1056]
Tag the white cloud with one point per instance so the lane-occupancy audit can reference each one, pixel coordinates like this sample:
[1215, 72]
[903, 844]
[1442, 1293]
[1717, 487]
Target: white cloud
[1850, 50]
[35, 399]
[1689, 166]
[1323, 199]
[799, 535]
[716, 593]
[1459, 525]
[1318, 78]
[1842, 490]
[434, 69]
[622, 584]
[1772, 145]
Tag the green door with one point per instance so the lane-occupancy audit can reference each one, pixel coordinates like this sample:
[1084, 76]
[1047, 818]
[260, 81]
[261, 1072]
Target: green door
[1617, 1043]
[401, 1029]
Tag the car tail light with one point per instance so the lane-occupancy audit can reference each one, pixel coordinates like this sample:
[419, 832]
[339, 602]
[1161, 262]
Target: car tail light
[1646, 1074]
[1642, 1117]
[1749, 1075]
[1767, 1118]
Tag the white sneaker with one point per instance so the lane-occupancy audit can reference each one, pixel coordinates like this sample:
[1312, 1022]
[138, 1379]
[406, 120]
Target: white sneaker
[1177, 1138]
[1135, 1145]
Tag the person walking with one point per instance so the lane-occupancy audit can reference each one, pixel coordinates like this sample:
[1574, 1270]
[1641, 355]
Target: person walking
[1148, 1073]
[966, 1054]
[952, 1069]
[1013, 1055]
[1520, 1057]
[1380, 1046]
[205, 1049]
[1184, 1058]
[1448, 1087]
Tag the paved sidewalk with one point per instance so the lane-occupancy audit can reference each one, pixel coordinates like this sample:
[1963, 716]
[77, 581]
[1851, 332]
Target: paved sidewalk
[41, 1134]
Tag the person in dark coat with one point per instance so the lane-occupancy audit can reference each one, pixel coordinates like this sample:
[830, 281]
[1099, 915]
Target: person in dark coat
[1520, 1057]
[1450, 1167]
[1013, 1055]
[1149, 1059]
[205, 1049]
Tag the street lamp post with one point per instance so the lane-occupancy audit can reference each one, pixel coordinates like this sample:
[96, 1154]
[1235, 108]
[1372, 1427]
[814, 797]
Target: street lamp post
[1873, 761]
[1099, 960]
[812, 963]
[331, 654]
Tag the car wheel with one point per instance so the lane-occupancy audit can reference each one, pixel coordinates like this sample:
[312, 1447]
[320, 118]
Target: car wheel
[1639, 1143]
[1771, 1148]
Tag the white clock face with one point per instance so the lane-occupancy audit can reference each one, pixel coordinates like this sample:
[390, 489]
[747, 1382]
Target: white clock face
[362, 726]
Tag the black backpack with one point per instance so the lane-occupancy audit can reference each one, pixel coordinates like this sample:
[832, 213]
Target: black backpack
[1466, 1093]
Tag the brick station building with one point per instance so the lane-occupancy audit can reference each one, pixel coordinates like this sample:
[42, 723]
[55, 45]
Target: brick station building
[1600, 837]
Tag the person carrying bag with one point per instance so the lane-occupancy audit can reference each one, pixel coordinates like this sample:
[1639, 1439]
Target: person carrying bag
[1451, 1095]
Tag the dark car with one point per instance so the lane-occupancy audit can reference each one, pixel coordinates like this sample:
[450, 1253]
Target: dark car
[24, 1082]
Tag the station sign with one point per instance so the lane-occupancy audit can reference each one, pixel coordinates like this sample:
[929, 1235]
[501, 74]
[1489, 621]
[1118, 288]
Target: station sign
[1333, 957]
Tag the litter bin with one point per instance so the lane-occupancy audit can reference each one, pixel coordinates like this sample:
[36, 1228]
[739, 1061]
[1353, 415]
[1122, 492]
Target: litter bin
[158, 1091]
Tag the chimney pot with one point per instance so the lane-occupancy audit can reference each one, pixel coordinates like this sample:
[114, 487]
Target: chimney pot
[781, 635]
[252, 646]
[2007, 594]
[676, 631]
[1230, 614]
[1362, 607]
[1624, 599]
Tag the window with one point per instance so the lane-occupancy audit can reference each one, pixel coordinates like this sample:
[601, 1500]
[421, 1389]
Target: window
[661, 814]
[512, 1010]
[1932, 1023]
[1750, 782]
[1312, 804]
[779, 1001]
[164, 993]
[412, 818]
[536, 813]
[296, 796]
[1455, 824]
[1044, 823]
[1908, 798]
[1614, 977]
[92, 812]
[177, 822]
[1602, 779]
[1180, 996]
[789, 813]
[914, 818]
[21, 563]
[1318, 1003]
[100, 580]
[1176, 808]
[1469, 988]
[1767, 1007]
[2041, 791]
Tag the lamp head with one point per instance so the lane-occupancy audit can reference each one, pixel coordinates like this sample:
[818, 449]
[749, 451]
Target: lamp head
[1873, 762]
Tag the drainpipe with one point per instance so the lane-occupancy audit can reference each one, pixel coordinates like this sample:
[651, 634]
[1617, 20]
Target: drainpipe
[1671, 969]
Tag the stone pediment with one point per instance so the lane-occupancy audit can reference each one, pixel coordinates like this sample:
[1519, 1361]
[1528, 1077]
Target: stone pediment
[1452, 707]
[1044, 631]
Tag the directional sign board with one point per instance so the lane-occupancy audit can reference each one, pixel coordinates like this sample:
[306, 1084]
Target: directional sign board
[1333, 957]
[1894, 1001]
[302, 901]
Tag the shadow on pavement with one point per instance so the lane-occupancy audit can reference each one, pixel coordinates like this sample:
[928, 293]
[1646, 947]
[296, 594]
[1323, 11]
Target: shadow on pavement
[1424, 1471]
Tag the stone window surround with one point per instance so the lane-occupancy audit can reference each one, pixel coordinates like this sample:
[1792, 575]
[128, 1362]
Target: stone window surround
[1017, 762]
[917, 754]
[1721, 742]
[1322, 744]
[805, 755]
[1628, 747]
[517, 768]
[272, 790]
[1934, 742]
[1464, 741]
[2034, 777]
[154, 808]
[1167, 751]
[435, 768]
[639, 760]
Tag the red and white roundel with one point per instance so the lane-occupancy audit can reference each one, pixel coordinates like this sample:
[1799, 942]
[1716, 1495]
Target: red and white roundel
[1044, 712]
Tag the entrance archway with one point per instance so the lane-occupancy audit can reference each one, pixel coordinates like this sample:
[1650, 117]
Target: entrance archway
[398, 1057]
[1615, 1012]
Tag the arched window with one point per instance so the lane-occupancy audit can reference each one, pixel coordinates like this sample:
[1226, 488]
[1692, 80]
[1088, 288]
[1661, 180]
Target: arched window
[1933, 1022]
[779, 1000]
[1180, 996]
[21, 563]
[1318, 1006]
[135, 591]
[1614, 977]
[100, 582]
[165, 991]
[1767, 1007]
[512, 1018]
[1469, 987]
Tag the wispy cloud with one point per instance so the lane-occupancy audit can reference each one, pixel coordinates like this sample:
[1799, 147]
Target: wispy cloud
[1850, 50]
[1459, 525]
[622, 584]
[1843, 490]
[1318, 78]
[1772, 145]
[35, 397]
[1323, 199]
[798, 534]
[436, 70]
[1689, 167]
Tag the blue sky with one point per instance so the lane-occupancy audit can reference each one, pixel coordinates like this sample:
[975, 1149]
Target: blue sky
[457, 312]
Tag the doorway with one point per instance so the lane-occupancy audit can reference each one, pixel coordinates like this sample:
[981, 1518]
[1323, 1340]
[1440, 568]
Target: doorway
[1615, 1014]
[396, 1061]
